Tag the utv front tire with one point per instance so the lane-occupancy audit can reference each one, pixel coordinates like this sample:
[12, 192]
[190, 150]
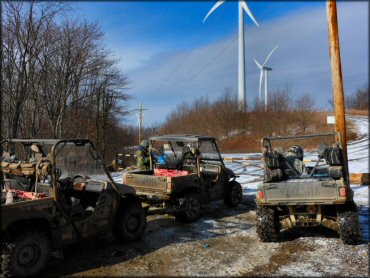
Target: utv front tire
[268, 227]
[191, 209]
[349, 225]
[130, 222]
[233, 194]
[26, 255]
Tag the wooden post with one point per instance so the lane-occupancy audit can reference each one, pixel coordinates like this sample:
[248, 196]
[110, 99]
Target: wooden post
[1, 77]
[336, 73]
[141, 127]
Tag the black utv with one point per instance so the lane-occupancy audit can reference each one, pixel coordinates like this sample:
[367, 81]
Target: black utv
[55, 193]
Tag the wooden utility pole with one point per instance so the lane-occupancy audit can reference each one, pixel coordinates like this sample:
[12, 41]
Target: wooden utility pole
[140, 116]
[1, 74]
[336, 73]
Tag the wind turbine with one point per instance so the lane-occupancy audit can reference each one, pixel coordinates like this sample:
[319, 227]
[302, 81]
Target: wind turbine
[241, 72]
[264, 72]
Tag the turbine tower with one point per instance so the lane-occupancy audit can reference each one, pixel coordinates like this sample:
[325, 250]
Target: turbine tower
[264, 72]
[241, 71]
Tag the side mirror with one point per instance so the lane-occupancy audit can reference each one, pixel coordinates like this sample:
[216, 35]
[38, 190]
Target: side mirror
[195, 151]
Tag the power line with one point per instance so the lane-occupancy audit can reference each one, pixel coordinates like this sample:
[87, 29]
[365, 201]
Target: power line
[215, 57]
[182, 61]
[207, 50]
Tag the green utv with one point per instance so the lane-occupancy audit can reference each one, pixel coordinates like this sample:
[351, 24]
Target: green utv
[294, 194]
[186, 172]
[58, 192]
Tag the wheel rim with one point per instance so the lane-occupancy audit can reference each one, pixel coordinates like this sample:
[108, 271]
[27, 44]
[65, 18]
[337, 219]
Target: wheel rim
[132, 223]
[28, 255]
[192, 207]
[236, 194]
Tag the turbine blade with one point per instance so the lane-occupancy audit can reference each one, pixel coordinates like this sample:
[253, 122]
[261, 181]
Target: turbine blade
[219, 3]
[258, 64]
[268, 56]
[248, 11]
[260, 88]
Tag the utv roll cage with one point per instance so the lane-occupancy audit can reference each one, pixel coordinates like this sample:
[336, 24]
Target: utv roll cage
[186, 138]
[267, 146]
[55, 143]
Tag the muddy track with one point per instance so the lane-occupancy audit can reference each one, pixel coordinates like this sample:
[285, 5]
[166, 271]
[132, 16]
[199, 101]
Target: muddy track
[223, 243]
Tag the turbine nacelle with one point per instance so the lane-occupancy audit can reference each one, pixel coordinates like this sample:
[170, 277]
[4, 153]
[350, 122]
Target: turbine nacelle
[243, 7]
[263, 73]
[241, 2]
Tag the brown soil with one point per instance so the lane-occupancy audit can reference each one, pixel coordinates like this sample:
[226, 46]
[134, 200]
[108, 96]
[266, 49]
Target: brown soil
[222, 243]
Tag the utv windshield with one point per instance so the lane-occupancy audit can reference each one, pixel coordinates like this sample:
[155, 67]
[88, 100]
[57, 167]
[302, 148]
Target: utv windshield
[72, 160]
[169, 153]
[210, 153]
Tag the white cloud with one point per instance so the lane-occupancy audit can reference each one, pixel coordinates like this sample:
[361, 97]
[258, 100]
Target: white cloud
[302, 60]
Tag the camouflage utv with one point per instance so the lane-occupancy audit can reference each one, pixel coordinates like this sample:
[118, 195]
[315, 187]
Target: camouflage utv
[297, 195]
[186, 171]
[57, 192]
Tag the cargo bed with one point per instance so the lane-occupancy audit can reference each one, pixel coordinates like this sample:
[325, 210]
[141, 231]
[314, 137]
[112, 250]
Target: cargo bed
[148, 184]
[303, 191]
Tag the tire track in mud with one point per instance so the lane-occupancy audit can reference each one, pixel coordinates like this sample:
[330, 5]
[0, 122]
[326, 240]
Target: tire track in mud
[284, 256]
[222, 243]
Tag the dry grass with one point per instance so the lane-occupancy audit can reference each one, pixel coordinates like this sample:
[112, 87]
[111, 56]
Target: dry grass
[252, 142]
[242, 131]
[358, 112]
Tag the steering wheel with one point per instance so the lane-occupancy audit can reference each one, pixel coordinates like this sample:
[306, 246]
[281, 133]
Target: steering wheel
[80, 178]
[79, 182]
[180, 164]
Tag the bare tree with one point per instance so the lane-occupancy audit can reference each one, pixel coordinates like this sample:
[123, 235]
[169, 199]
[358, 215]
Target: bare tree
[358, 100]
[279, 101]
[305, 107]
[23, 25]
[331, 103]
[56, 74]
[226, 112]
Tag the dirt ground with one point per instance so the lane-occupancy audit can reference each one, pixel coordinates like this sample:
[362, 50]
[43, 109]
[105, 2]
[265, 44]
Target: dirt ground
[222, 243]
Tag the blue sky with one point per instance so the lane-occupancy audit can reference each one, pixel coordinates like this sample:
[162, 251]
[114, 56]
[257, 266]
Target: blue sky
[170, 56]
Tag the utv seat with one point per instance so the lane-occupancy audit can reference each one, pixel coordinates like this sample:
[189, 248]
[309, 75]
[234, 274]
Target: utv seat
[294, 165]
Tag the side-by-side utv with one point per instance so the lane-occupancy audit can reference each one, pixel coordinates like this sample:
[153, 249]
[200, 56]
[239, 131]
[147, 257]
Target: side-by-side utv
[185, 172]
[58, 192]
[294, 194]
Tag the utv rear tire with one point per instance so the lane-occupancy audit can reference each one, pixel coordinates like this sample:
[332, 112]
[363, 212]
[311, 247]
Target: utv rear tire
[233, 194]
[191, 210]
[349, 225]
[130, 222]
[26, 255]
[268, 226]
